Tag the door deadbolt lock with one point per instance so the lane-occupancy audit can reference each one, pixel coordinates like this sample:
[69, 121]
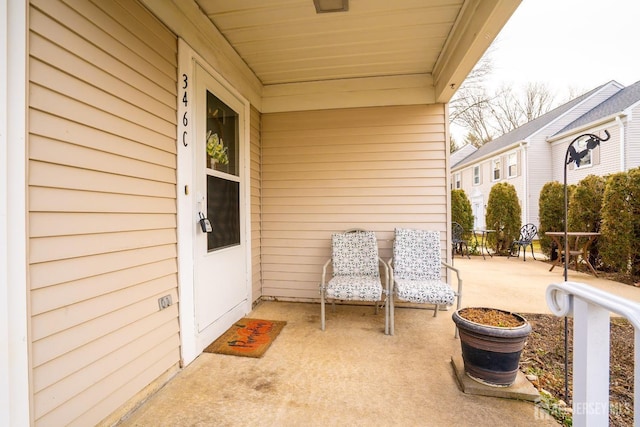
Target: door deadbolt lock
[205, 224]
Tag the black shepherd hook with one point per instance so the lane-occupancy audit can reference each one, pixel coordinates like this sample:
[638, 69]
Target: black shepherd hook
[573, 155]
[576, 156]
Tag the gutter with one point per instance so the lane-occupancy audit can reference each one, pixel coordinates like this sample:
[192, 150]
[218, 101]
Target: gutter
[584, 127]
[460, 166]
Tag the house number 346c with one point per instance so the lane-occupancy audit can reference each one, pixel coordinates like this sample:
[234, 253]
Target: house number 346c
[185, 117]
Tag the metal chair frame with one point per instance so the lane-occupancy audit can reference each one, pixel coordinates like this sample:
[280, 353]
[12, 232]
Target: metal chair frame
[384, 285]
[457, 241]
[527, 233]
[425, 285]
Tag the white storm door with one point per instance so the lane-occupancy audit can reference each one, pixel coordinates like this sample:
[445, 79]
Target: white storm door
[220, 255]
[477, 207]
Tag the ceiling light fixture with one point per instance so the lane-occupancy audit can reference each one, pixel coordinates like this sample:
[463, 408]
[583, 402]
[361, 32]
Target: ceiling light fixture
[328, 6]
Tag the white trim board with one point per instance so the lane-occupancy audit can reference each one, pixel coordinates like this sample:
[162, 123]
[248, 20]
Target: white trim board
[15, 407]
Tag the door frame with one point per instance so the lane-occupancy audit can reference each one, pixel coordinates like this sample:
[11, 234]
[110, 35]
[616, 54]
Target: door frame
[15, 384]
[187, 214]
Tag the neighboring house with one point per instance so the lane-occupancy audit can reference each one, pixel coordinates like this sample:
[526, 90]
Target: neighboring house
[533, 154]
[109, 283]
[457, 156]
[618, 154]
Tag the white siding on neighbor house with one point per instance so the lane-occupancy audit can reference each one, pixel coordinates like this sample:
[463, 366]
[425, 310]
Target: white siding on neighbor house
[607, 160]
[327, 171]
[517, 181]
[102, 206]
[256, 205]
[632, 138]
[487, 182]
[538, 169]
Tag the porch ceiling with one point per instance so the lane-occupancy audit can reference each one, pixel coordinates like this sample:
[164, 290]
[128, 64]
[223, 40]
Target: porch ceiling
[286, 41]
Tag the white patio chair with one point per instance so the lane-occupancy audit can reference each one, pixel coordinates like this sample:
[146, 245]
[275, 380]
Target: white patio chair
[416, 272]
[356, 272]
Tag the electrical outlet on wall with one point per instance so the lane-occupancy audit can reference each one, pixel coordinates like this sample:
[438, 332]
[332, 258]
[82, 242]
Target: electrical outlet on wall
[164, 302]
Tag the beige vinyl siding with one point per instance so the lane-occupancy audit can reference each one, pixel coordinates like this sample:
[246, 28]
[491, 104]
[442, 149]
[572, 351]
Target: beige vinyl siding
[102, 206]
[326, 171]
[256, 205]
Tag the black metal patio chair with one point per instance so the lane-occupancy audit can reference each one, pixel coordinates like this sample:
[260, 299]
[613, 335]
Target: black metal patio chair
[527, 234]
[457, 240]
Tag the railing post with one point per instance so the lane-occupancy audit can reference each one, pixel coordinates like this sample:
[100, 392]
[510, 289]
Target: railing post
[590, 364]
[636, 376]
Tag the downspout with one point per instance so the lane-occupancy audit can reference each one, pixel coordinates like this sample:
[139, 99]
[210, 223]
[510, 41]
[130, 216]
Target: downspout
[623, 166]
[525, 185]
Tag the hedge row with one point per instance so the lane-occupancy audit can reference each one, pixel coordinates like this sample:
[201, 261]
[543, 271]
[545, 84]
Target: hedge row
[503, 215]
[608, 205]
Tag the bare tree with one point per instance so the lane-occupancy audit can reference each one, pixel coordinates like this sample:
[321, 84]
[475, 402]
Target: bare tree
[487, 115]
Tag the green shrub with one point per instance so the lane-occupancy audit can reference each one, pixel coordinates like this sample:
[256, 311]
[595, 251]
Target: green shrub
[634, 201]
[619, 242]
[615, 241]
[585, 205]
[551, 209]
[461, 210]
[504, 216]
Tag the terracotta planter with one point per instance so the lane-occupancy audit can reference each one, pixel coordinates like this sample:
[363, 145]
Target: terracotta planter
[491, 354]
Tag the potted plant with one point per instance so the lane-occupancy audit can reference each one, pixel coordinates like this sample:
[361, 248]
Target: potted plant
[492, 341]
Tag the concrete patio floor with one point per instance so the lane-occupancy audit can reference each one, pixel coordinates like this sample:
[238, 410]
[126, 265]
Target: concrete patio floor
[352, 374]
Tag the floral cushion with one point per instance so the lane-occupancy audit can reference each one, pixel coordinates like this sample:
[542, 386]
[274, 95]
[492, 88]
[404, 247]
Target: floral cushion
[416, 254]
[355, 254]
[355, 288]
[424, 291]
[417, 268]
[356, 274]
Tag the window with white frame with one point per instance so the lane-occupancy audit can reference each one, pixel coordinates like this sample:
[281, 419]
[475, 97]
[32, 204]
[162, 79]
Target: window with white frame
[512, 167]
[457, 181]
[495, 167]
[476, 175]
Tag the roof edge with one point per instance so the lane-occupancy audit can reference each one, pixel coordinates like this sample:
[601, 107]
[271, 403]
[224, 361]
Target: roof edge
[490, 154]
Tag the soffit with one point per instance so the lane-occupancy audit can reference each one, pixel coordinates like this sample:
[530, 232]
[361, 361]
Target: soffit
[286, 41]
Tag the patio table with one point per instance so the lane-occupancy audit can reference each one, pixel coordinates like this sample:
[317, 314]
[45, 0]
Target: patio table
[584, 239]
[484, 233]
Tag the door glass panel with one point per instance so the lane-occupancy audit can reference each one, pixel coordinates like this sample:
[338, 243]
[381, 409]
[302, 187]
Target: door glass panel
[223, 186]
[223, 210]
[222, 136]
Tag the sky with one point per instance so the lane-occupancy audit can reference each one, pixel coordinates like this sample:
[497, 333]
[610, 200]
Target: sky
[568, 44]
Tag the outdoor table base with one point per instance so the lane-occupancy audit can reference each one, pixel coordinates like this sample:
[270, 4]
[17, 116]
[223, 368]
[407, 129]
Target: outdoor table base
[483, 241]
[579, 249]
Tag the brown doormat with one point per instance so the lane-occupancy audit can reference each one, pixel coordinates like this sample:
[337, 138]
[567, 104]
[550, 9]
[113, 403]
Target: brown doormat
[247, 337]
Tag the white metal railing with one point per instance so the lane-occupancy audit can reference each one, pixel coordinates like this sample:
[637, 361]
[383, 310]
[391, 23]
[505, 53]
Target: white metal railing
[591, 308]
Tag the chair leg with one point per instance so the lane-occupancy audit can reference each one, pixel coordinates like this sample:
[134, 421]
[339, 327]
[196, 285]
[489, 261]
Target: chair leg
[386, 316]
[322, 309]
[392, 313]
[435, 312]
[524, 252]
[532, 254]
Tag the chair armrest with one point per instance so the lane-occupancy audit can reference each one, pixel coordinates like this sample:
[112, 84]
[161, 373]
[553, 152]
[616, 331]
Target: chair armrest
[324, 273]
[391, 283]
[459, 277]
[386, 274]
